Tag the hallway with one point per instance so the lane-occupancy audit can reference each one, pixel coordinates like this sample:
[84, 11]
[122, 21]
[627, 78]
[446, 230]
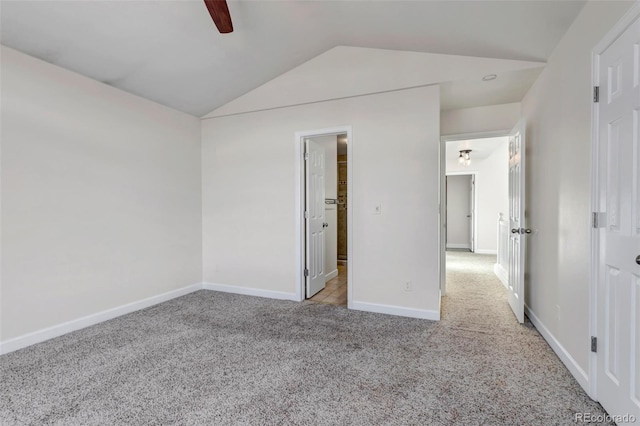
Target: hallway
[471, 284]
[496, 361]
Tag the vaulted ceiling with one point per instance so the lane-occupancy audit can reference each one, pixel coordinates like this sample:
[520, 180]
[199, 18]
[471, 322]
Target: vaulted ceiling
[170, 51]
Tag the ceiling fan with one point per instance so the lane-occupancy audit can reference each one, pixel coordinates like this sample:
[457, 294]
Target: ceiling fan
[220, 14]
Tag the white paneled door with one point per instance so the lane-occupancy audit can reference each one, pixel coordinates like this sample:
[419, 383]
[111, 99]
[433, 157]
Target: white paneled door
[314, 217]
[618, 279]
[472, 212]
[517, 238]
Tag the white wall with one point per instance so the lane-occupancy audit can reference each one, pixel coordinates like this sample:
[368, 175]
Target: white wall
[493, 198]
[330, 145]
[249, 186]
[492, 194]
[458, 207]
[479, 119]
[100, 197]
[558, 114]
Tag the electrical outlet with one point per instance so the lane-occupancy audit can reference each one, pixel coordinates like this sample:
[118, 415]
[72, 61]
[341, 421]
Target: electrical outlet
[407, 286]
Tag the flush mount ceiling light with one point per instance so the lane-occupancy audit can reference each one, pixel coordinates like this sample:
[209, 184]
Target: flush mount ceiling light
[489, 77]
[465, 157]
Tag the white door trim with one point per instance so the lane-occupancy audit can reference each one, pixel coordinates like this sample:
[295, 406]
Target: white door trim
[299, 207]
[443, 172]
[606, 41]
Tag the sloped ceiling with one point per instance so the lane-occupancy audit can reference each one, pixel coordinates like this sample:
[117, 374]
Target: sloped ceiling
[508, 87]
[170, 51]
[352, 71]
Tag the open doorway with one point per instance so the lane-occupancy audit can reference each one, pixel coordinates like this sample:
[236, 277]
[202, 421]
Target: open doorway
[476, 199]
[325, 225]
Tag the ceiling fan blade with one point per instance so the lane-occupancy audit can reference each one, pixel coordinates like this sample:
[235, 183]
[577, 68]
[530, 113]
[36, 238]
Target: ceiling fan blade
[220, 14]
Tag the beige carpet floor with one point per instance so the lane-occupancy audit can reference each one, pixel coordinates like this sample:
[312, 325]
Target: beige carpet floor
[212, 358]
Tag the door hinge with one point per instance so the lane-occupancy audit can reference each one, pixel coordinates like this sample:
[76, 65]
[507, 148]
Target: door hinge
[306, 214]
[306, 156]
[597, 220]
[594, 344]
[596, 94]
[306, 272]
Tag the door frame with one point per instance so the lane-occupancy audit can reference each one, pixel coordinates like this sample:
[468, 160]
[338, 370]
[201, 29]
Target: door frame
[300, 193]
[474, 205]
[632, 14]
[442, 253]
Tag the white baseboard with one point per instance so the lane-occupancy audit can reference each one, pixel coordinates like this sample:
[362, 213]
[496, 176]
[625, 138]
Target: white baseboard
[458, 246]
[250, 291]
[501, 273]
[32, 338]
[331, 275]
[486, 251]
[39, 336]
[580, 375]
[396, 310]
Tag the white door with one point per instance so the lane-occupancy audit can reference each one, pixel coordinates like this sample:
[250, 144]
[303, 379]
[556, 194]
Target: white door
[459, 212]
[314, 215]
[618, 297]
[517, 239]
[472, 211]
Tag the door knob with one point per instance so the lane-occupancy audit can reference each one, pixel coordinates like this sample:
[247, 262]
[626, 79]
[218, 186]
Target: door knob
[638, 259]
[526, 231]
[515, 231]
[325, 224]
